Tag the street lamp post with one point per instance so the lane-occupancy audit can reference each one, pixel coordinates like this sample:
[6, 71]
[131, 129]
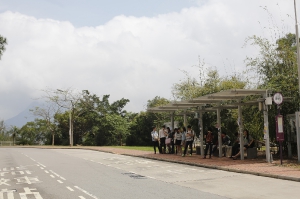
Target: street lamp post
[297, 43]
[298, 64]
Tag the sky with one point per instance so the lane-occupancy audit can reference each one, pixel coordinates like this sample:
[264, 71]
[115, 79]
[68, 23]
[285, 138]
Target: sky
[129, 49]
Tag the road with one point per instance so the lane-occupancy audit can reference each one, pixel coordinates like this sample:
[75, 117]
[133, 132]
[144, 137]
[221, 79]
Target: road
[28, 173]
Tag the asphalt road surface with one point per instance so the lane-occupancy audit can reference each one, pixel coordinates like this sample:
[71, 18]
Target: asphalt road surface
[28, 173]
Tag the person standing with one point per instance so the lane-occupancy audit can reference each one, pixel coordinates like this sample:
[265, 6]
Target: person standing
[154, 136]
[162, 139]
[169, 140]
[189, 135]
[178, 138]
[172, 141]
[209, 142]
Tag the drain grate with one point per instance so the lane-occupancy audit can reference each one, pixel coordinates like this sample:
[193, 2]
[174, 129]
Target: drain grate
[134, 175]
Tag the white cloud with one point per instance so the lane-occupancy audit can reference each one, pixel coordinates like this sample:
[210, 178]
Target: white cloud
[130, 57]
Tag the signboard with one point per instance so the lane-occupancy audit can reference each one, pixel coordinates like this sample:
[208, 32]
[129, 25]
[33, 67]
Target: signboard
[279, 128]
[277, 98]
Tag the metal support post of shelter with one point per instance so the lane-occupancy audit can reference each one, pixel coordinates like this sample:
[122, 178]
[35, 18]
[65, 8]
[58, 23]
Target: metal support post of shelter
[219, 131]
[185, 120]
[172, 121]
[241, 126]
[201, 131]
[266, 131]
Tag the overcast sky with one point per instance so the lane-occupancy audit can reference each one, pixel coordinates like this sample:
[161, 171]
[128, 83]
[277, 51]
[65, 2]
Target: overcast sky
[132, 49]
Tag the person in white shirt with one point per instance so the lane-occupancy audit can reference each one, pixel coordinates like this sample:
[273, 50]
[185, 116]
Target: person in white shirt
[189, 137]
[154, 136]
[178, 138]
[162, 139]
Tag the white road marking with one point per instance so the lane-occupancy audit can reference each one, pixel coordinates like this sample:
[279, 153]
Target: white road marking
[81, 197]
[28, 192]
[9, 193]
[27, 180]
[87, 193]
[42, 167]
[46, 171]
[54, 173]
[58, 175]
[3, 173]
[4, 181]
[52, 176]
[59, 181]
[70, 188]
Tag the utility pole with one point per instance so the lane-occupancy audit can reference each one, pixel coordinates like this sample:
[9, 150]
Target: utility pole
[298, 64]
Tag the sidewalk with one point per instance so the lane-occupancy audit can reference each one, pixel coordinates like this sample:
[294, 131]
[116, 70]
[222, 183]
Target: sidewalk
[254, 166]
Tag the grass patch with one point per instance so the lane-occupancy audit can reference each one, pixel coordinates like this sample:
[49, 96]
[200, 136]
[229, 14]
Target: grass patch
[140, 148]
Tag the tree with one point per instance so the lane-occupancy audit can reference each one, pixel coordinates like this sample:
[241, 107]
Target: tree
[191, 88]
[140, 128]
[3, 42]
[33, 133]
[47, 113]
[275, 68]
[65, 99]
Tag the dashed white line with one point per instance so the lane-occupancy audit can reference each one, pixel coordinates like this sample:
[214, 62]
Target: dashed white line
[42, 167]
[52, 176]
[87, 193]
[57, 175]
[46, 171]
[59, 181]
[81, 197]
[70, 188]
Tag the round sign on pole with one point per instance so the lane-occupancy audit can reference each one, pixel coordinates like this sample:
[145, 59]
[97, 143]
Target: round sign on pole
[277, 98]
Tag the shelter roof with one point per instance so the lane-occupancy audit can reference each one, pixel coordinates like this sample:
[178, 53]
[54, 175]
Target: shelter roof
[214, 99]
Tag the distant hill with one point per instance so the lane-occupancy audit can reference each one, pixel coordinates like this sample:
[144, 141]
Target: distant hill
[23, 117]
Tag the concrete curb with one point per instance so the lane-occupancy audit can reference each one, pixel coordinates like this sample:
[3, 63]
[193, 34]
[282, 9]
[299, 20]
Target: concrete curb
[178, 162]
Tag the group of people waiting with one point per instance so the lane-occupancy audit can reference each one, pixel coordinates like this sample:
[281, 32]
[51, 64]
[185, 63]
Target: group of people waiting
[212, 144]
[171, 142]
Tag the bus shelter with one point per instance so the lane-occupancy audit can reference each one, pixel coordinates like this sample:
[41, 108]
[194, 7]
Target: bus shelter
[228, 99]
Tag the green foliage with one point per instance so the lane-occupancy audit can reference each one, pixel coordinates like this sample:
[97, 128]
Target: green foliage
[33, 133]
[190, 88]
[140, 129]
[276, 69]
[4, 134]
[3, 42]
